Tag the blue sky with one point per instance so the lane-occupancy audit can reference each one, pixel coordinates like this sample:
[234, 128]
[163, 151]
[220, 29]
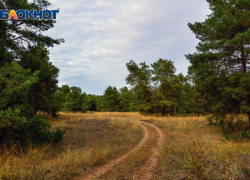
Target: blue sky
[101, 36]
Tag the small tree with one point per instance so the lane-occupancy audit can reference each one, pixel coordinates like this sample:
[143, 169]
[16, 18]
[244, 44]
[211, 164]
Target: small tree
[74, 99]
[111, 99]
[127, 100]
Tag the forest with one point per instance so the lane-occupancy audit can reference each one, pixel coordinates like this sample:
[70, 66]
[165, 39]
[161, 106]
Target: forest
[154, 91]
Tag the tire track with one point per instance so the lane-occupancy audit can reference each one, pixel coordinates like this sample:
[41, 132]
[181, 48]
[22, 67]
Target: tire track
[146, 171]
[106, 167]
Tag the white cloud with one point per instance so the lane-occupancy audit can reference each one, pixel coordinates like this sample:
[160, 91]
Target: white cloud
[103, 35]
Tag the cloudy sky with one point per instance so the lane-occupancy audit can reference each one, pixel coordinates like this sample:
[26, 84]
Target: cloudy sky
[101, 36]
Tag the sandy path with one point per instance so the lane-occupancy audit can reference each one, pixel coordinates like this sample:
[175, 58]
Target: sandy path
[146, 171]
[106, 167]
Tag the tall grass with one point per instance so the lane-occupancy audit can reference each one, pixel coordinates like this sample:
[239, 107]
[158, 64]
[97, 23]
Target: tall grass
[131, 167]
[194, 150]
[191, 150]
[90, 140]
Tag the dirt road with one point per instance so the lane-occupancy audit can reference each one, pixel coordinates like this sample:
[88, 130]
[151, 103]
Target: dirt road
[146, 170]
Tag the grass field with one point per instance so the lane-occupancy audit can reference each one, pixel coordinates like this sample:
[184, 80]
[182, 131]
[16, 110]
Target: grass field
[194, 150]
[90, 140]
[191, 150]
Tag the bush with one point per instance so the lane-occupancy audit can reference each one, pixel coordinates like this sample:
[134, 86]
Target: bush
[57, 136]
[233, 127]
[35, 131]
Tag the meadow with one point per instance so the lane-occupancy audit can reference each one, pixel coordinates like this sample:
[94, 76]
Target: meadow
[90, 140]
[191, 149]
[195, 150]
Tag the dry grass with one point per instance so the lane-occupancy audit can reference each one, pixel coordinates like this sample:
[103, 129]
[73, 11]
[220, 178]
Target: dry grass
[90, 140]
[130, 168]
[194, 150]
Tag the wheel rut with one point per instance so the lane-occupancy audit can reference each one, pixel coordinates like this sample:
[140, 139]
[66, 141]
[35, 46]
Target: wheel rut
[146, 170]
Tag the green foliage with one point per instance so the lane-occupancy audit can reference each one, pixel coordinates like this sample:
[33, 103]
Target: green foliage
[18, 119]
[85, 103]
[156, 90]
[74, 99]
[41, 93]
[28, 80]
[56, 136]
[99, 103]
[221, 65]
[18, 36]
[233, 126]
[111, 100]
[56, 104]
[140, 78]
[128, 100]
[168, 87]
[239, 135]
[197, 99]
[14, 85]
[159, 90]
[65, 89]
[37, 131]
[59, 98]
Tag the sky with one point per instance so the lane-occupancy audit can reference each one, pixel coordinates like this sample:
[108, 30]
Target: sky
[101, 36]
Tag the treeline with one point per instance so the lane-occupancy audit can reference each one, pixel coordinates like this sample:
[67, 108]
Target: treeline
[155, 90]
[72, 99]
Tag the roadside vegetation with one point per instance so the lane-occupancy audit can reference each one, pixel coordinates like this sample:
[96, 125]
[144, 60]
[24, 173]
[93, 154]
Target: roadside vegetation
[90, 140]
[191, 149]
[195, 150]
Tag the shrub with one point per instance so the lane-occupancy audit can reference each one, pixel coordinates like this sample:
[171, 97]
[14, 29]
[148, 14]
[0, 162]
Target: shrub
[233, 127]
[35, 131]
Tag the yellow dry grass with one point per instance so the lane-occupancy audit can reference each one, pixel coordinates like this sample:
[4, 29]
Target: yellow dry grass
[91, 139]
[130, 168]
[191, 150]
[195, 150]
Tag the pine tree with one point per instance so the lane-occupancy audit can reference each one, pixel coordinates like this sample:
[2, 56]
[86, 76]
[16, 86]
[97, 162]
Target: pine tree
[166, 91]
[140, 78]
[222, 61]
[19, 40]
[111, 100]
[74, 99]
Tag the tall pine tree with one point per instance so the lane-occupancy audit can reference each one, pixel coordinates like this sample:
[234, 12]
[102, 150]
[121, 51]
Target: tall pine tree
[221, 63]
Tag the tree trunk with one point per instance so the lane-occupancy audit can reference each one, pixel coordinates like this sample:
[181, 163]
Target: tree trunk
[163, 111]
[248, 118]
[244, 69]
